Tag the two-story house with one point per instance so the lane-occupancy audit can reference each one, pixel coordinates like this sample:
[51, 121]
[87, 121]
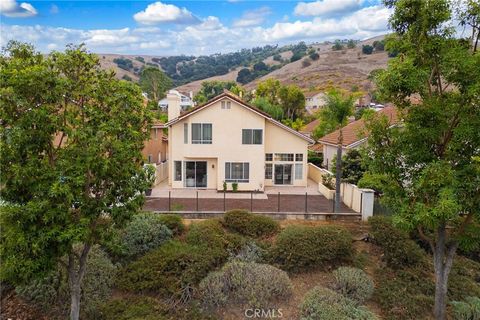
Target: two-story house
[186, 102]
[228, 140]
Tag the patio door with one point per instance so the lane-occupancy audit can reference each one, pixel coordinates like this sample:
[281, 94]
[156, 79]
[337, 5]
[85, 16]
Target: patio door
[283, 174]
[196, 174]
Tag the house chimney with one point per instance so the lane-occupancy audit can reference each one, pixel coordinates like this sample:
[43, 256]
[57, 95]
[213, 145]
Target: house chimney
[190, 94]
[173, 100]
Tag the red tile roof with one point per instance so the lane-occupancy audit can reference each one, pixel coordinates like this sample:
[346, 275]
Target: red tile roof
[309, 127]
[355, 131]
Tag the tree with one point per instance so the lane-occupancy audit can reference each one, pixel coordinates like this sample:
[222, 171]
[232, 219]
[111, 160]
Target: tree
[295, 125]
[379, 45]
[367, 49]
[292, 100]
[314, 56]
[71, 141]
[352, 166]
[211, 89]
[269, 89]
[338, 45]
[351, 44]
[335, 114]
[429, 169]
[155, 83]
[244, 76]
[260, 66]
[272, 109]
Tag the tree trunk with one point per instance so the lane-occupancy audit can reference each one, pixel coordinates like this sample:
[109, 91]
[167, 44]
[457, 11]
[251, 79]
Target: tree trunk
[338, 172]
[75, 277]
[443, 255]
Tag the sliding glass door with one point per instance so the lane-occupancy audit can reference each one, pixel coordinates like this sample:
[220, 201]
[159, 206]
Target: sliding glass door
[283, 174]
[196, 174]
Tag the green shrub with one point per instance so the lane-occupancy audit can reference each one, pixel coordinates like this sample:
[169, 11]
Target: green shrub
[146, 231]
[406, 293]
[322, 303]
[211, 235]
[144, 308]
[353, 283]
[250, 252]
[249, 224]
[299, 248]
[173, 222]
[399, 250]
[250, 283]
[169, 269]
[52, 292]
[466, 310]
[464, 279]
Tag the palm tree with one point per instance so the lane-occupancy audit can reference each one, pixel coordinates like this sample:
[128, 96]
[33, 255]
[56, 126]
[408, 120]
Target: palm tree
[335, 114]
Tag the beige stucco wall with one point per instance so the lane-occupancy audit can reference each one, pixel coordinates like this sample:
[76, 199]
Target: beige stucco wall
[227, 125]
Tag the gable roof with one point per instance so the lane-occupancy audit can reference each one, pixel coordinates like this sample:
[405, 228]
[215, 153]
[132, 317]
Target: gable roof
[354, 132]
[235, 98]
[309, 127]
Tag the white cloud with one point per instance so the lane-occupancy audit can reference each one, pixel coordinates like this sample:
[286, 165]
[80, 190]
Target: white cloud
[327, 7]
[206, 37]
[159, 12]
[252, 17]
[11, 9]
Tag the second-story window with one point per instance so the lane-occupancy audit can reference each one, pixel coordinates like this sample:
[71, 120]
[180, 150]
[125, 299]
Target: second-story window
[252, 136]
[201, 133]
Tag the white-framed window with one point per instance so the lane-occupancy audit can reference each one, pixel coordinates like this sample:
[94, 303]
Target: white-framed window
[299, 157]
[237, 171]
[201, 133]
[177, 170]
[268, 171]
[185, 133]
[226, 104]
[298, 171]
[283, 156]
[268, 156]
[252, 136]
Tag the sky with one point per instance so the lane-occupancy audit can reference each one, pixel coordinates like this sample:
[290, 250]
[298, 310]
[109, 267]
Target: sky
[187, 27]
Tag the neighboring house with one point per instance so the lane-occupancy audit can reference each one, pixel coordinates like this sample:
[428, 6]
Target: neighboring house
[354, 136]
[186, 102]
[314, 101]
[310, 127]
[228, 140]
[155, 149]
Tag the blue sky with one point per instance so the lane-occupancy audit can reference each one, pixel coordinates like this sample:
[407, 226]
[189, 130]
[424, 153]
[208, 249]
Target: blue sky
[186, 27]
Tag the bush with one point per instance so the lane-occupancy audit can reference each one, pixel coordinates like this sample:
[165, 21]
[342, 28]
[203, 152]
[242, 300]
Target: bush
[306, 62]
[250, 252]
[399, 250]
[323, 303]
[353, 283]
[367, 49]
[250, 224]
[52, 292]
[169, 269]
[466, 310]
[211, 235]
[132, 308]
[173, 222]
[254, 284]
[146, 231]
[300, 247]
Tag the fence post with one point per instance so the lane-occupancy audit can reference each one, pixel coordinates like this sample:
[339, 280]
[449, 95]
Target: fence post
[169, 201]
[278, 202]
[306, 203]
[251, 201]
[333, 203]
[197, 201]
[224, 207]
[367, 203]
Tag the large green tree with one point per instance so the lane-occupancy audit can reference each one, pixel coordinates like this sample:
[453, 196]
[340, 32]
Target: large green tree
[71, 137]
[290, 98]
[211, 89]
[155, 83]
[429, 168]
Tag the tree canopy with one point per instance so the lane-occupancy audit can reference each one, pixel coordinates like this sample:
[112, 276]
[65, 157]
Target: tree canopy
[155, 83]
[211, 89]
[71, 140]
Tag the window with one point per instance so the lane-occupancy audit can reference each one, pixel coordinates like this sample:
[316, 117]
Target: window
[252, 136]
[201, 133]
[155, 134]
[299, 157]
[298, 171]
[283, 156]
[268, 157]
[226, 104]
[237, 171]
[178, 171]
[150, 158]
[268, 171]
[185, 133]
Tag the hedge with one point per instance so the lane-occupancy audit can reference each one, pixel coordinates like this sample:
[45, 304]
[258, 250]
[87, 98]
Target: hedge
[173, 222]
[300, 248]
[249, 224]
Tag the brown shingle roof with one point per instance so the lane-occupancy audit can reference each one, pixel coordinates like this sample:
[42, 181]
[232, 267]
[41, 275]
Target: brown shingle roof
[355, 131]
[309, 127]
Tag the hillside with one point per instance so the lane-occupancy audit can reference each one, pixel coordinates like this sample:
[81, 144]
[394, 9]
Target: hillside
[344, 68]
